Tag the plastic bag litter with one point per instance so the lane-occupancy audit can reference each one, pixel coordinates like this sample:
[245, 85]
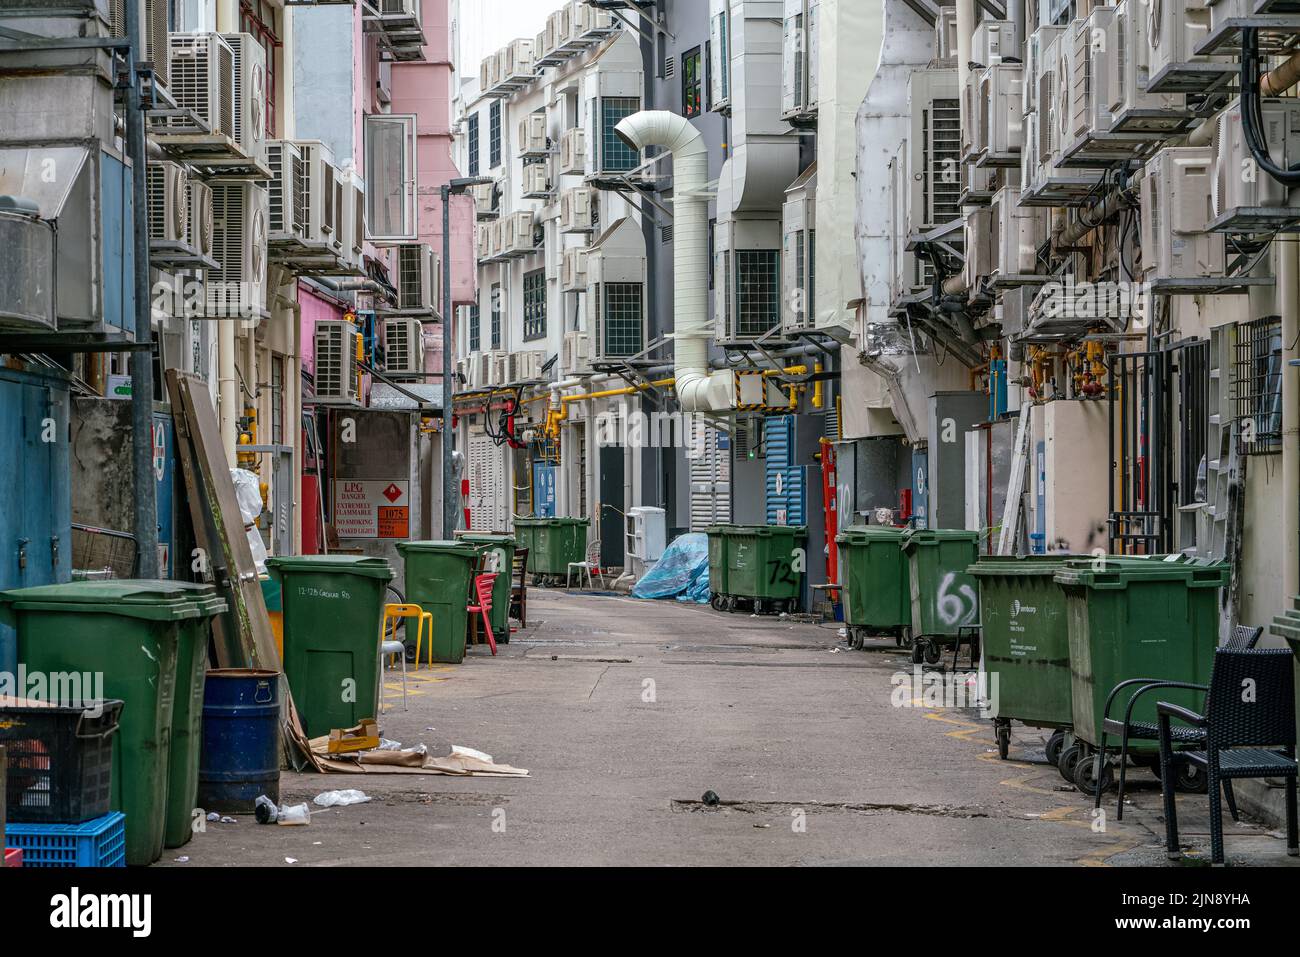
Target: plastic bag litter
[682, 573]
[248, 493]
[340, 798]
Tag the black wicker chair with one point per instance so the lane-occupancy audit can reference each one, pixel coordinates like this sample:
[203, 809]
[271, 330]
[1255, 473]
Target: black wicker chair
[1249, 728]
[1126, 729]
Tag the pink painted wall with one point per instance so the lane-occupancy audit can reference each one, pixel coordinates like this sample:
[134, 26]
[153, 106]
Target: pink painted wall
[425, 90]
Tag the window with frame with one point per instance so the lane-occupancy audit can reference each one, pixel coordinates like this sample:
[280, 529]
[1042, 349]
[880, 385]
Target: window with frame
[390, 177]
[615, 155]
[471, 139]
[472, 322]
[758, 291]
[722, 49]
[693, 83]
[494, 135]
[496, 316]
[1257, 386]
[535, 304]
[623, 315]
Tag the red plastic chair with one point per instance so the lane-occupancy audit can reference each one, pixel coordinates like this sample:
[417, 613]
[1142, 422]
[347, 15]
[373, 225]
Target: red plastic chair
[483, 585]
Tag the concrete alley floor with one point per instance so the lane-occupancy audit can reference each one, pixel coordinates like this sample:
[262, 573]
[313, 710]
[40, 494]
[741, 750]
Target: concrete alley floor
[626, 712]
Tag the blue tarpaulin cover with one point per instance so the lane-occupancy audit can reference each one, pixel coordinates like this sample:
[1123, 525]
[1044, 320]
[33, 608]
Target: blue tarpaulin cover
[683, 572]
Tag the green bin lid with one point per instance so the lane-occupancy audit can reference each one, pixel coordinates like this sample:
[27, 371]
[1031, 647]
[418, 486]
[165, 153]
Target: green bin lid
[719, 529]
[863, 534]
[362, 566]
[1121, 571]
[791, 530]
[993, 566]
[463, 548]
[933, 536]
[486, 538]
[151, 599]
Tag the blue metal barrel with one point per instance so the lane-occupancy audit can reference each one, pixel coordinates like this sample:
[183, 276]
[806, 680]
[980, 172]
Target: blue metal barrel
[241, 738]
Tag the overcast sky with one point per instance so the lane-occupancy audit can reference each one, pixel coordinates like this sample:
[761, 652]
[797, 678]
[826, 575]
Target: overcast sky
[488, 25]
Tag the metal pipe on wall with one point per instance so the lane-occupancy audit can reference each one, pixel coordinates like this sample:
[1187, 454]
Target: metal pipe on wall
[141, 363]
[1288, 290]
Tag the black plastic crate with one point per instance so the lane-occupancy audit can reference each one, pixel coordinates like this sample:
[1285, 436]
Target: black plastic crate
[60, 761]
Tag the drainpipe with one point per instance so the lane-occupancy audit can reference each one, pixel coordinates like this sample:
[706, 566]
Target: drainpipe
[1288, 289]
[698, 390]
[293, 408]
[227, 392]
[144, 487]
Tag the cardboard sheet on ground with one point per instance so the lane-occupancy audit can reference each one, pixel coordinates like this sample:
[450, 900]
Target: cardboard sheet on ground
[406, 762]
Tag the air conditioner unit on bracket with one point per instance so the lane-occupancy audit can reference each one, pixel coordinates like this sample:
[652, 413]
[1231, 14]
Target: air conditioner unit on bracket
[537, 182]
[287, 193]
[1176, 29]
[202, 82]
[419, 279]
[573, 273]
[1133, 108]
[403, 346]
[981, 246]
[577, 352]
[486, 200]
[579, 210]
[250, 94]
[800, 62]
[533, 141]
[573, 152]
[1000, 115]
[239, 218]
[198, 219]
[524, 230]
[167, 183]
[1245, 198]
[1044, 182]
[1020, 232]
[1176, 198]
[323, 195]
[336, 376]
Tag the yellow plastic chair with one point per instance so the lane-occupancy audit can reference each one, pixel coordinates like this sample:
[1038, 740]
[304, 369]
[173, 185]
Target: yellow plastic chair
[395, 612]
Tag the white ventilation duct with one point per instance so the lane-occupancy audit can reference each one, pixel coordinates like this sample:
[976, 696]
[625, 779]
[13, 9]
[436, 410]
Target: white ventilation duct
[697, 389]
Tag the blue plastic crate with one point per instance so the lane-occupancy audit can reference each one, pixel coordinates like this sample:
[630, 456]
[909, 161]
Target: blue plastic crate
[97, 843]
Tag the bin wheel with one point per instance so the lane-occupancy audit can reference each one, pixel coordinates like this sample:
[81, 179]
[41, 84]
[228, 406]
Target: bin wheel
[1004, 738]
[933, 652]
[1149, 761]
[1055, 742]
[1190, 778]
[731, 603]
[918, 652]
[1068, 759]
[719, 603]
[1086, 776]
[859, 638]
[898, 640]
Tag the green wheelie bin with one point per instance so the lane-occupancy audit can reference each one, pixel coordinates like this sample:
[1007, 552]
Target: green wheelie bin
[1135, 619]
[875, 573]
[128, 632]
[498, 556]
[943, 594]
[1025, 646]
[718, 589]
[553, 544]
[438, 576]
[762, 566]
[333, 611]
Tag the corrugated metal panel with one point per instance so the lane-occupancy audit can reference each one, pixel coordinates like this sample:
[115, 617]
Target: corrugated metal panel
[785, 481]
[710, 477]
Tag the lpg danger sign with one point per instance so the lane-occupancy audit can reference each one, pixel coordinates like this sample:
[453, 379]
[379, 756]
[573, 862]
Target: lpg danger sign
[372, 509]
